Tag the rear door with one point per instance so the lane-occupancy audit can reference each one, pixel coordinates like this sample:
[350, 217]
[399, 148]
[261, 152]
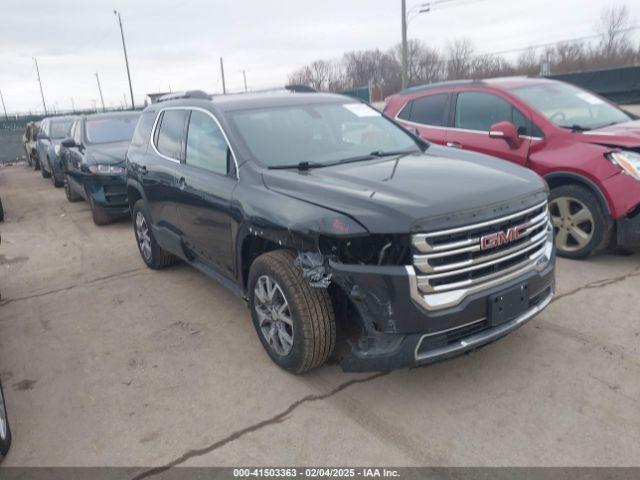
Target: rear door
[474, 112]
[207, 184]
[429, 114]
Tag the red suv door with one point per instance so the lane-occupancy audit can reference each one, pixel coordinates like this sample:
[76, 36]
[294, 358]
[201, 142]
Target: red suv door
[429, 115]
[474, 115]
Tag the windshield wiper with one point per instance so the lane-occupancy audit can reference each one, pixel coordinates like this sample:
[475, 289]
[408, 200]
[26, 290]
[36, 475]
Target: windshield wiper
[575, 128]
[358, 158]
[299, 166]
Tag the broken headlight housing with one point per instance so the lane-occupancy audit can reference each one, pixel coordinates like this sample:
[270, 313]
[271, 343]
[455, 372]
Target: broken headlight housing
[105, 169]
[368, 250]
[628, 161]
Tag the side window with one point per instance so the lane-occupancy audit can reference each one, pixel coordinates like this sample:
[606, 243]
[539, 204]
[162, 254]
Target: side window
[431, 110]
[206, 145]
[171, 129]
[520, 121]
[77, 133]
[143, 129]
[405, 113]
[45, 128]
[478, 111]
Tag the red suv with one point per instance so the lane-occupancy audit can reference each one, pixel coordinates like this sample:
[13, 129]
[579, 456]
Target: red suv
[587, 149]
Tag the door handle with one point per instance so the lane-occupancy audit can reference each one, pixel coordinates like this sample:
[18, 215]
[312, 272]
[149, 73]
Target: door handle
[454, 145]
[182, 183]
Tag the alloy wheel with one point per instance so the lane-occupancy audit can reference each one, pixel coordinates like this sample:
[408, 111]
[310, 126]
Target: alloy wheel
[274, 315]
[573, 223]
[142, 235]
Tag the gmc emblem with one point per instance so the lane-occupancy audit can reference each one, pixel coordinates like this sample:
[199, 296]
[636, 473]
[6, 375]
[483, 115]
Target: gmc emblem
[494, 240]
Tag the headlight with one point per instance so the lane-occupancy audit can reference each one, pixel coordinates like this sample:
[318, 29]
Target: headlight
[105, 169]
[627, 161]
[56, 148]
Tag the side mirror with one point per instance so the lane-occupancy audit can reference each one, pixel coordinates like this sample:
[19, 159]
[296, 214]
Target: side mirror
[68, 143]
[42, 136]
[508, 132]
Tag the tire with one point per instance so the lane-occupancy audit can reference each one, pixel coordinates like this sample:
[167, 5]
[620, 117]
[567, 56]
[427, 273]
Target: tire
[310, 314]
[36, 163]
[99, 215]
[155, 256]
[44, 173]
[71, 194]
[568, 205]
[5, 441]
[56, 183]
[1, 212]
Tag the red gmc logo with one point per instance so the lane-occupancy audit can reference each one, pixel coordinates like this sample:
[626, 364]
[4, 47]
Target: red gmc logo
[494, 240]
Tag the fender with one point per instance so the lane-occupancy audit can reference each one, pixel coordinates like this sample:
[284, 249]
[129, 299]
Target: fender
[577, 178]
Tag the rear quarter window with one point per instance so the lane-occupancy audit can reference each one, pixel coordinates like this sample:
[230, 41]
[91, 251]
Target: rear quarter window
[143, 129]
[430, 110]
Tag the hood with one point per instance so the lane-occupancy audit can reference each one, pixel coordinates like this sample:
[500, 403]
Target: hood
[397, 194]
[624, 135]
[107, 153]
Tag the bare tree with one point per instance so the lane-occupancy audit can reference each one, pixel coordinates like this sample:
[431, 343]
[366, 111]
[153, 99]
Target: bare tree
[459, 56]
[615, 34]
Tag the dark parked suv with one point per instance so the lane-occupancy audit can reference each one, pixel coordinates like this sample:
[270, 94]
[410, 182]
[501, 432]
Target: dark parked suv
[343, 231]
[93, 158]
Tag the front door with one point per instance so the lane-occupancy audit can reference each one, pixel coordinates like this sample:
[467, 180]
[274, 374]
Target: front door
[207, 183]
[475, 112]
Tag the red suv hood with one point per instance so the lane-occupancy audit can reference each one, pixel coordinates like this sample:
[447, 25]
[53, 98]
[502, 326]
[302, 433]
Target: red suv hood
[624, 135]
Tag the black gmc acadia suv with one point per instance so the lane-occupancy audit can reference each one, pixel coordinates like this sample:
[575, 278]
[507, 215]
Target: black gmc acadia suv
[345, 233]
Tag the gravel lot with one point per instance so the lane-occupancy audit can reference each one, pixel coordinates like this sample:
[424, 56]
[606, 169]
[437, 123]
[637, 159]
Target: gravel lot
[106, 362]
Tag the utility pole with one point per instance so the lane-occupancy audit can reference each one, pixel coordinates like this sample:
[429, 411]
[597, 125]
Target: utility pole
[100, 90]
[224, 86]
[404, 43]
[126, 59]
[244, 75]
[44, 105]
[3, 106]
[73, 106]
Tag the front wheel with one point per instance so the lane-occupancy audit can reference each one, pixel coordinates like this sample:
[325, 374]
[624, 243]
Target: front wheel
[71, 194]
[295, 322]
[579, 224]
[44, 173]
[5, 431]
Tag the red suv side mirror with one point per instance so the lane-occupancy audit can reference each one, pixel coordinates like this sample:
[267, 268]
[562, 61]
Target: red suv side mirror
[506, 131]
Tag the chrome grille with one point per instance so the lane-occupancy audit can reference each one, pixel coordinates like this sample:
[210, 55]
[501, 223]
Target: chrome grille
[453, 259]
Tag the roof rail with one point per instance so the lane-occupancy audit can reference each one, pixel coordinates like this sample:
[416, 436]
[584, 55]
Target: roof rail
[198, 94]
[427, 86]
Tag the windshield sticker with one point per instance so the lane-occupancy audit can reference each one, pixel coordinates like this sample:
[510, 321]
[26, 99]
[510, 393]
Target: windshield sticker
[591, 99]
[361, 110]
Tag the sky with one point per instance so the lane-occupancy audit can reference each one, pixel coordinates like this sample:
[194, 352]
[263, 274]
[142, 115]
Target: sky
[176, 44]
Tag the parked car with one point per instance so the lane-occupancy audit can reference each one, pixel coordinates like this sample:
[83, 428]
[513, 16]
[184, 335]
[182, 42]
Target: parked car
[29, 140]
[94, 160]
[52, 131]
[586, 148]
[5, 430]
[337, 225]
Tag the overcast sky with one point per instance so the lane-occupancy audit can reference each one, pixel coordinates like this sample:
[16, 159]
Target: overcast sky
[177, 44]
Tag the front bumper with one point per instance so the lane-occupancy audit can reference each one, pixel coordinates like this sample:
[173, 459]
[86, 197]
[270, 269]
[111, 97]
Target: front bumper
[628, 230]
[108, 192]
[400, 331]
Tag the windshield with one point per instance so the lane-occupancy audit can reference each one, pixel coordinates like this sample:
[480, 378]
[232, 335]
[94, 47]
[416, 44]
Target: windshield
[111, 129]
[319, 134]
[60, 129]
[570, 107]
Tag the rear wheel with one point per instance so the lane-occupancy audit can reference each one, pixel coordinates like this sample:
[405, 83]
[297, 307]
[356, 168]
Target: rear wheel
[153, 255]
[579, 224]
[295, 322]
